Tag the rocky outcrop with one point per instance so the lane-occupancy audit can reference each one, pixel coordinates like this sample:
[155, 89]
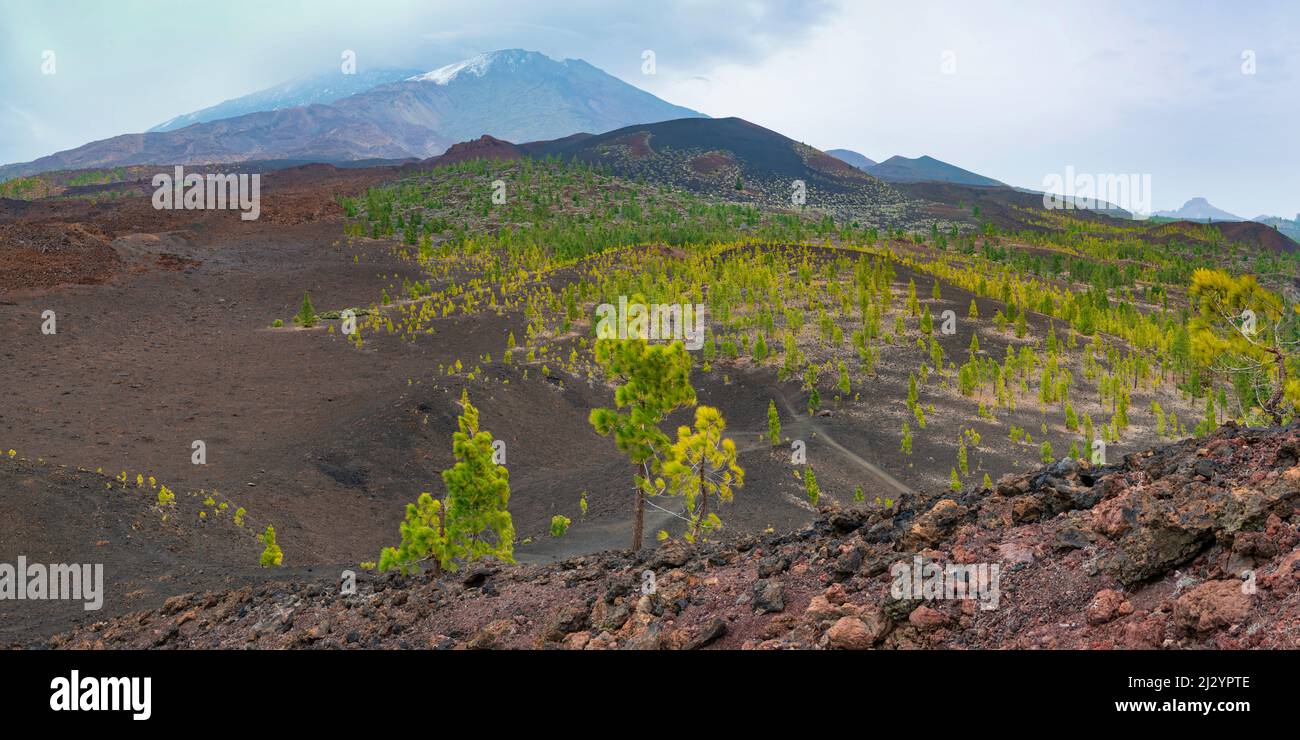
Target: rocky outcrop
[1190, 545]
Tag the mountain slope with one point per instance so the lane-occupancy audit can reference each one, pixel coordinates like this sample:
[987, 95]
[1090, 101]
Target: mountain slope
[852, 157]
[1199, 209]
[926, 169]
[1076, 569]
[1289, 227]
[322, 88]
[514, 95]
[712, 154]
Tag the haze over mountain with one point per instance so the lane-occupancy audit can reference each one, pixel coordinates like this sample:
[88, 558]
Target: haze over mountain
[926, 169]
[1199, 209]
[326, 87]
[1288, 226]
[513, 94]
[851, 157]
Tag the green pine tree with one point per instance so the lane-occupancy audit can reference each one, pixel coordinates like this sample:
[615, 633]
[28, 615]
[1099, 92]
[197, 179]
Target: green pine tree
[773, 423]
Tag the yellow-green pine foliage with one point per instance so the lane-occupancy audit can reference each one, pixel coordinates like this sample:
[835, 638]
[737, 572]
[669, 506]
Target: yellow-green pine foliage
[700, 464]
[810, 486]
[478, 494]
[651, 380]
[423, 536]
[773, 423]
[559, 525]
[272, 555]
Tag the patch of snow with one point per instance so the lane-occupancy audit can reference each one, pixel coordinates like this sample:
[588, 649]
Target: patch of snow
[476, 65]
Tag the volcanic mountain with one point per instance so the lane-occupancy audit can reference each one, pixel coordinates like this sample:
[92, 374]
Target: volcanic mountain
[1289, 227]
[514, 94]
[926, 169]
[723, 156]
[1199, 209]
[860, 161]
[326, 87]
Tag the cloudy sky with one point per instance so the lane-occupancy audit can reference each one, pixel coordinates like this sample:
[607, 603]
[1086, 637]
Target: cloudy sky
[1203, 97]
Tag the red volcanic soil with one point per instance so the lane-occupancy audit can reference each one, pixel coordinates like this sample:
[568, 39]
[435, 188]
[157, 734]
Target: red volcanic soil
[1255, 234]
[637, 144]
[820, 160]
[45, 254]
[484, 147]
[76, 241]
[707, 164]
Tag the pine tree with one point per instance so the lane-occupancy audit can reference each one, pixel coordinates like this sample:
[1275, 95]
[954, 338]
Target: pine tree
[478, 494]
[560, 525]
[906, 449]
[306, 317]
[272, 555]
[773, 423]
[810, 486]
[472, 522]
[651, 381]
[702, 463]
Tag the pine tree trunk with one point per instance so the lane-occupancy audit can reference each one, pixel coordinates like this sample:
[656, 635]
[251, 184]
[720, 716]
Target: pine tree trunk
[442, 534]
[704, 506]
[1275, 401]
[640, 520]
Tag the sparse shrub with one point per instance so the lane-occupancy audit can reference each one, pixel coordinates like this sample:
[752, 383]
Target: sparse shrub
[560, 525]
[272, 555]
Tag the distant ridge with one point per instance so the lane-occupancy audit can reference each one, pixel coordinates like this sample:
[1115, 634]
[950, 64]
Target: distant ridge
[853, 158]
[1198, 209]
[322, 88]
[926, 169]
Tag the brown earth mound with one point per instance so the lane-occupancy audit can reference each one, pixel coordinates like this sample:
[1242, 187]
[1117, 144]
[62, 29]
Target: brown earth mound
[484, 147]
[46, 254]
[1258, 235]
[62, 241]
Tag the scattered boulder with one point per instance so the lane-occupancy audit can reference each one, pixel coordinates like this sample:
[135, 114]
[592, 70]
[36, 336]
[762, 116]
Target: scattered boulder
[769, 596]
[1212, 606]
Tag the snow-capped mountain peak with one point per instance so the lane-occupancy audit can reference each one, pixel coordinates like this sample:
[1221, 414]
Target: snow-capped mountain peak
[478, 65]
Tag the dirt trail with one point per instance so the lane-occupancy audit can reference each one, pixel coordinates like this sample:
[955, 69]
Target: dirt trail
[807, 424]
